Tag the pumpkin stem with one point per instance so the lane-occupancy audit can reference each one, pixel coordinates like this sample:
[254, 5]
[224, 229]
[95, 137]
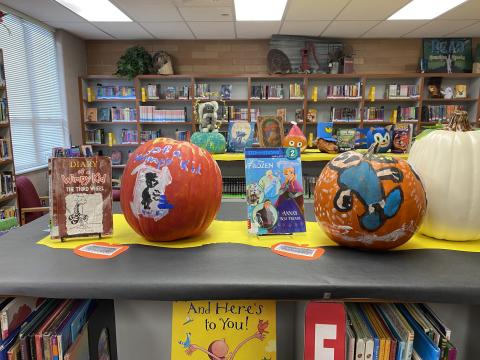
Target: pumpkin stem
[459, 122]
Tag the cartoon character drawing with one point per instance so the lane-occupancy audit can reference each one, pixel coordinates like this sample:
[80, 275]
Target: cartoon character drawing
[78, 215]
[270, 184]
[378, 206]
[219, 349]
[186, 344]
[380, 136]
[255, 194]
[290, 190]
[149, 197]
[266, 217]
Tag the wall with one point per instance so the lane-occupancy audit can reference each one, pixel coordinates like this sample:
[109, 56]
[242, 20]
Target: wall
[249, 56]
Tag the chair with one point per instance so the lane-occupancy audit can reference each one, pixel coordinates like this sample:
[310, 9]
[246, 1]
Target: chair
[31, 205]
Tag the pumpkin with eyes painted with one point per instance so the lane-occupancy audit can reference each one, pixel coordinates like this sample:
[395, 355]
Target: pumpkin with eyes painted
[295, 138]
[369, 201]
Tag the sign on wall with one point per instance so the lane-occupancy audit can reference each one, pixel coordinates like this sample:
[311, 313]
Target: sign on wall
[437, 53]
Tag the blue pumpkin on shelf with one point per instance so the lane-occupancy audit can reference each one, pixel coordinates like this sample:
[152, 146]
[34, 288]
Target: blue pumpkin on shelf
[381, 136]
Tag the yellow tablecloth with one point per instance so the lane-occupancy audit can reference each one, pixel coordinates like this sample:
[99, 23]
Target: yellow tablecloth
[236, 232]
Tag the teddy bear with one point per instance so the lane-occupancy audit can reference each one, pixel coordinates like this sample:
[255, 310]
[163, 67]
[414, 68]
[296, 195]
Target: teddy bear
[208, 116]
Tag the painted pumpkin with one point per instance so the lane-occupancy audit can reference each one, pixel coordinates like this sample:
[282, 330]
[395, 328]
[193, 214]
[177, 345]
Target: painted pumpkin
[213, 142]
[369, 201]
[295, 138]
[447, 161]
[170, 190]
[380, 136]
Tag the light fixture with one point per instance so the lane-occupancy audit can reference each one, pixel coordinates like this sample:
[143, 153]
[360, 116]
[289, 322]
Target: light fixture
[425, 9]
[259, 10]
[95, 10]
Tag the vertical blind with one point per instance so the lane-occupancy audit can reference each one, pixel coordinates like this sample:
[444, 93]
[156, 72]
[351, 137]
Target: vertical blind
[33, 91]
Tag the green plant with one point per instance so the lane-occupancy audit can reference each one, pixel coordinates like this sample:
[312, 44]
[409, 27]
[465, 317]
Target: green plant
[135, 61]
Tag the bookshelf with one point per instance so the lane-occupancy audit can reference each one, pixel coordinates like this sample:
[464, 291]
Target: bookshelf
[8, 195]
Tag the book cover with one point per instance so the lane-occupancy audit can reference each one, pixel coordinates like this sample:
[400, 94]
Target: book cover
[325, 131]
[226, 91]
[116, 157]
[91, 115]
[15, 312]
[81, 196]
[361, 141]
[274, 189]
[104, 114]
[240, 135]
[402, 138]
[170, 92]
[270, 131]
[230, 329]
[346, 139]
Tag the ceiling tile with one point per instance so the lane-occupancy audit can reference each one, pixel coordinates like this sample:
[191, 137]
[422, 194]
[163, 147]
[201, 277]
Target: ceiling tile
[348, 29]
[256, 29]
[207, 13]
[467, 10]
[83, 30]
[394, 28]
[168, 30]
[180, 3]
[124, 30]
[438, 28]
[375, 10]
[43, 10]
[302, 10]
[471, 31]
[306, 28]
[149, 10]
[212, 30]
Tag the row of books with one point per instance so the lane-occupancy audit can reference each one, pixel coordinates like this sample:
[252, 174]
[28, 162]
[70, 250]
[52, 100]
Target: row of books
[374, 113]
[296, 91]
[234, 113]
[38, 329]
[439, 113]
[396, 331]
[111, 114]
[147, 135]
[397, 91]
[8, 211]
[95, 136]
[5, 149]
[7, 183]
[150, 113]
[343, 114]
[3, 110]
[202, 91]
[129, 136]
[115, 92]
[344, 91]
[268, 91]
[154, 92]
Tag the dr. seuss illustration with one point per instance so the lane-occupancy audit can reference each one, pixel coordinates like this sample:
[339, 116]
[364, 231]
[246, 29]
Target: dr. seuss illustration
[224, 330]
[274, 190]
[81, 196]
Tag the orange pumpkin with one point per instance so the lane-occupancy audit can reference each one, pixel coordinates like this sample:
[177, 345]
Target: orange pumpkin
[369, 201]
[295, 138]
[170, 190]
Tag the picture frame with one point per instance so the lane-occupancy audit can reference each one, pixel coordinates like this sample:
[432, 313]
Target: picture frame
[442, 55]
[270, 131]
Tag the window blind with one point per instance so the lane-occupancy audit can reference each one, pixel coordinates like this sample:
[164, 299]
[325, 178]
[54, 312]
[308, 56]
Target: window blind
[33, 90]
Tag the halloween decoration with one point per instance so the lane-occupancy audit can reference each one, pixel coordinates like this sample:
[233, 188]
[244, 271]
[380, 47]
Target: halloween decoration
[135, 61]
[295, 138]
[213, 142]
[447, 162]
[170, 190]
[162, 63]
[434, 87]
[380, 136]
[369, 201]
[278, 62]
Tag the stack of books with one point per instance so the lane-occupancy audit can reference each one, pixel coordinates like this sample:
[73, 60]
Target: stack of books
[407, 113]
[115, 92]
[296, 91]
[397, 91]
[374, 114]
[343, 114]
[117, 115]
[344, 91]
[129, 136]
[439, 113]
[150, 113]
[95, 136]
[269, 91]
[147, 135]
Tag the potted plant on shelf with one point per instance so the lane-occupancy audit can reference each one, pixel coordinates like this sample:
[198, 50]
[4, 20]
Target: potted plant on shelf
[135, 61]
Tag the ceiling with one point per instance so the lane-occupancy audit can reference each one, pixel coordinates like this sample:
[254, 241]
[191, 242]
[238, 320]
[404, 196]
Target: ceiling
[214, 19]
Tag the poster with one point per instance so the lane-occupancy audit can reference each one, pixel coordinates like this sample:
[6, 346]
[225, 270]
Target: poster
[224, 329]
[437, 53]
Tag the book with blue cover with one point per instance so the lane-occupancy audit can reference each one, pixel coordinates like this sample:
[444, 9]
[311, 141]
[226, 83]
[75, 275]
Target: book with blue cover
[273, 178]
[240, 135]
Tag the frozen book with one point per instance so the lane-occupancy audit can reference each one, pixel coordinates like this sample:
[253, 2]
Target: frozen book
[274, 188]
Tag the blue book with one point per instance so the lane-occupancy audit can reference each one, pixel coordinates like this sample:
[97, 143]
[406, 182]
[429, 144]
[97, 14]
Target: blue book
[361, 141]
[273, 178]
[240, 135]
[325, 131]
[373, 333]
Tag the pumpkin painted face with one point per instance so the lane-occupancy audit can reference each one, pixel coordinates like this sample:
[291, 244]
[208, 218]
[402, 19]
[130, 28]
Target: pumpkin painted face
[369, 201]
[295, 138]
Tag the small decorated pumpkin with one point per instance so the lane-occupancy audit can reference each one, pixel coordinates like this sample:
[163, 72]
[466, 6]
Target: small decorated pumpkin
[369, 201]
[213, 142]
[295, 138]
[380, 136]
[170, 190]
[447, 161]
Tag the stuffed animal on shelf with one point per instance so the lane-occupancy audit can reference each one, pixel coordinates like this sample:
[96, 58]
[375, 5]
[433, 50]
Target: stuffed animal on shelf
[434, 86]
[208, 117]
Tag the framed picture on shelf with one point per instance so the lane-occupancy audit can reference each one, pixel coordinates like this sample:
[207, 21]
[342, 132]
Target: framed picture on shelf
[448, 55]
[91, 115]
[270, 131]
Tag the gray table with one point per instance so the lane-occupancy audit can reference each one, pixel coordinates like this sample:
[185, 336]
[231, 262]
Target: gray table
[234, 272]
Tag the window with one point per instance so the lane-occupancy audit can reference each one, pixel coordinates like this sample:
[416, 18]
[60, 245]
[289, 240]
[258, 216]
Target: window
[33, 90]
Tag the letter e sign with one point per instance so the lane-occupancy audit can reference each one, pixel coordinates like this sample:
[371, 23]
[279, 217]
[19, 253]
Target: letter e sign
[325, 331]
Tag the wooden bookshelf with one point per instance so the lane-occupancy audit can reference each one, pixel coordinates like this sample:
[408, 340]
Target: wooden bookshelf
[7, 164]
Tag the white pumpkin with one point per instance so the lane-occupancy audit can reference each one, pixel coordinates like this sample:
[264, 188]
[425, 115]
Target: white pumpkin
[448, 162]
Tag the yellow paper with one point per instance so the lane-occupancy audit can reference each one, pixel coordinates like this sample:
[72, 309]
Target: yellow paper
[315, 94]
[221, 232]
[394, 116]
[371, 94]
[224, 329]
[144, 95]
[110, 139]
[89, 94]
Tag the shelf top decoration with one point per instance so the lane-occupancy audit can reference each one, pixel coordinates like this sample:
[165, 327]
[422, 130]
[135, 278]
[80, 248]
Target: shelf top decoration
[448, 55]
